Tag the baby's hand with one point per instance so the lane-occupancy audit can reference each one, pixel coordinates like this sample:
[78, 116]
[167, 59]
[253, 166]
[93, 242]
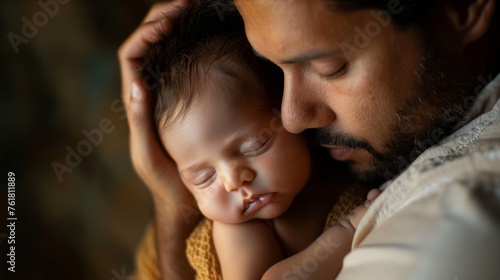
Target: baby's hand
[351, 221]
[340, 235]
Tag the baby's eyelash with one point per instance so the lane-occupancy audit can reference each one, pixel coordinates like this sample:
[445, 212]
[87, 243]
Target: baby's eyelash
[262, 144]
[204, 180]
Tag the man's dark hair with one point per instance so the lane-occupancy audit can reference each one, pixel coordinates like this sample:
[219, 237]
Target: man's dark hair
[207, 47]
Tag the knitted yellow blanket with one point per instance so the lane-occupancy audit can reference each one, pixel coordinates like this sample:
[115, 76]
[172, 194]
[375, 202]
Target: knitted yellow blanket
[200, 249]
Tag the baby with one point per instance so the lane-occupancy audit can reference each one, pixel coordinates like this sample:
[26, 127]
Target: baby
[267, 194]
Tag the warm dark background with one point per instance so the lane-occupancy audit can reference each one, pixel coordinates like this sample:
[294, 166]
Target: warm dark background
[63, 81]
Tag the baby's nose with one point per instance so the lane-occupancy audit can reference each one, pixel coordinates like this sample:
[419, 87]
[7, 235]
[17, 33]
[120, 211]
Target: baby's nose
[239, 178]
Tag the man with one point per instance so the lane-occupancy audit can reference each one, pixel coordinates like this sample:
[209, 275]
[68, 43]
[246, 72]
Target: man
[404, 92]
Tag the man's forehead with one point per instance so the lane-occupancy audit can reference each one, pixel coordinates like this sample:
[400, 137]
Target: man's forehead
[298, 31]
[286, 12]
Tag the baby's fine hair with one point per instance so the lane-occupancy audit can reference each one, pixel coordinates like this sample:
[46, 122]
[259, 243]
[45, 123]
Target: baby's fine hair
[207, 49]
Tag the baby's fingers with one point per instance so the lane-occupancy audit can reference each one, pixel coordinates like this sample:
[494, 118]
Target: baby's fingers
[372, 195]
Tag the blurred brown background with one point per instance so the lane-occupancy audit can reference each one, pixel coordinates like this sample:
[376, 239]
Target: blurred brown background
[57, 80]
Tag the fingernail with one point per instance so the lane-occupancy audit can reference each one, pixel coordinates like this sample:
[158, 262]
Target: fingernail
[368, 203]
[136, 92]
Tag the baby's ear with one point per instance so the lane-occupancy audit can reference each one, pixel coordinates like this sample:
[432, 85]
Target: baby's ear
[469, 19]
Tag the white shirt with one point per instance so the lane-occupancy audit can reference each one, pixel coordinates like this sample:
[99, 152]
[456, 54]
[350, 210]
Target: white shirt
[439, 219]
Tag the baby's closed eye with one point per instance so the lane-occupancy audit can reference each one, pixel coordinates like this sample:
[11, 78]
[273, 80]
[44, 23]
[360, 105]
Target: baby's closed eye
[256, 146]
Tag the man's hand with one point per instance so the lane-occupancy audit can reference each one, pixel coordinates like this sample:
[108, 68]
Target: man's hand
[175, 214]
[151, 162]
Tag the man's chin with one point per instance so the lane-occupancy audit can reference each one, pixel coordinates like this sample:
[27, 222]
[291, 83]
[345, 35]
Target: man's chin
[367, 174]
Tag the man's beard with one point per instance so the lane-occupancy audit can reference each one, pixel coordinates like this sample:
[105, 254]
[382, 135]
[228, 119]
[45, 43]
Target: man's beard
[440, 100]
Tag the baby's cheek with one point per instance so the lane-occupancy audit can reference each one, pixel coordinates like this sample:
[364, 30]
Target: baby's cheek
[285, 172]
[271, 165]
[203, 198]
[295, 149]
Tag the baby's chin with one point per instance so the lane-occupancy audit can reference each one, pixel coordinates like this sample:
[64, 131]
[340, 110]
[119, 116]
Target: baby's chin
[268, 213]
[273, 211]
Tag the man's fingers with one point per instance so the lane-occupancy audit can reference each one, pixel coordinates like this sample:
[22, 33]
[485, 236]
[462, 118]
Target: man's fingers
[146, 34]
[133, 50]
[146, 151]
[160, 10]
[150, 160]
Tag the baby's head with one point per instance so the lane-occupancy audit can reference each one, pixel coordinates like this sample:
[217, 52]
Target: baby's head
[215, 117]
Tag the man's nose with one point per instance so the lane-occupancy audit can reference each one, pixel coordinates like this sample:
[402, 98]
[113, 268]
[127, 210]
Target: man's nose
[238, 177]
[304, 105]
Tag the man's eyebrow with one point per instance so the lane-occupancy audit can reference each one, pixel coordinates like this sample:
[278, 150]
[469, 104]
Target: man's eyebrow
[301, 57]
[307, 57]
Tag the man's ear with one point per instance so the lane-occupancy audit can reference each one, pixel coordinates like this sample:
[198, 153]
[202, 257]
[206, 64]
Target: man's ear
[470, 19]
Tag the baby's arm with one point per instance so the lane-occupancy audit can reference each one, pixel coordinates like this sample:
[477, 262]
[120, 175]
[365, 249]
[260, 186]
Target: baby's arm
[323, 258]
[245, 251]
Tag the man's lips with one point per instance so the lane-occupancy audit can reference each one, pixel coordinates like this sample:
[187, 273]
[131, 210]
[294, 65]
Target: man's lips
[256, 202]
[339, 152]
